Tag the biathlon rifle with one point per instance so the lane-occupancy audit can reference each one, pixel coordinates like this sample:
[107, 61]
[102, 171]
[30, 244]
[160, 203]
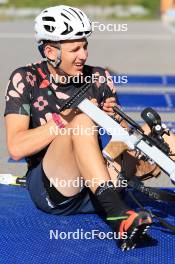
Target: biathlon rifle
[152, 146]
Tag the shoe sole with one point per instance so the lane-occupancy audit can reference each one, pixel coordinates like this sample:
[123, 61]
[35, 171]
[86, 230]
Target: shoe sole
[133, 239]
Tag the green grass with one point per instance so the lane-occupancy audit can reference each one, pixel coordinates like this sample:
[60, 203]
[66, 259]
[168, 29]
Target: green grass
[151, 5]
[130, 18]
[47, 3]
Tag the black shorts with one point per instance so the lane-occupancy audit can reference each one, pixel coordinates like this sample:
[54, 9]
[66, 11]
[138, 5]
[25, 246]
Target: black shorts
[51, 201]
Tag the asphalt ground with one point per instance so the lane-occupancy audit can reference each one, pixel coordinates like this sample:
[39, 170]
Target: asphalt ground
[145, 48]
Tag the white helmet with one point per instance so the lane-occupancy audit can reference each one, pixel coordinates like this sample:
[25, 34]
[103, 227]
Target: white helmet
[62, 23]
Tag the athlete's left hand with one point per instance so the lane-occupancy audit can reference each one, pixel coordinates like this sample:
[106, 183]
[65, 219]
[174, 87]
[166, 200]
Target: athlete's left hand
[108, 108]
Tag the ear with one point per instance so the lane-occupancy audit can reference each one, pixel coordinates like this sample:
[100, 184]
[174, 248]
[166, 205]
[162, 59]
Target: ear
[50, 52]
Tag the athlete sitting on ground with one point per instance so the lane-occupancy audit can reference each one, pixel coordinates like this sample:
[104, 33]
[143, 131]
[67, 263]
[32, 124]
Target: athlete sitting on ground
[32, 103]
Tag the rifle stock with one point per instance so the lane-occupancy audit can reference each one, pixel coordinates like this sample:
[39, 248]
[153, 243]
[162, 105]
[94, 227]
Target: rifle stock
[113, 149]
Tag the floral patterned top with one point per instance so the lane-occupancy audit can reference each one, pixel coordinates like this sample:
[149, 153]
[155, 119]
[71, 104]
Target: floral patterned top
[31, 92]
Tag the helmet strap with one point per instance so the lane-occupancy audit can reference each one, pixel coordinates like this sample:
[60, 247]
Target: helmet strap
[41, 49]
[54, 63]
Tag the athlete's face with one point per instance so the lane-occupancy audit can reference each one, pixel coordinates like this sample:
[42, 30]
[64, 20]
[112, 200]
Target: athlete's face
[74, 55]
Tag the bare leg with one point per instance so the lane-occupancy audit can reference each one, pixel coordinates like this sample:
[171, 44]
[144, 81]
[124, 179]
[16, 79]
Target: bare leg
[71, 156]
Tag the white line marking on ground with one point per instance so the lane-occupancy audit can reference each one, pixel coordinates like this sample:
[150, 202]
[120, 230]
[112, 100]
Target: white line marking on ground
[100, 36]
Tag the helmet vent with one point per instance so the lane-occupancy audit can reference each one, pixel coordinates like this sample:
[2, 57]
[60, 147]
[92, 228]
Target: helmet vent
[78, 16]
[79, 33]
[65, 16]
[87, 32]
[49, 28]
[68, 30]
[69, 12]
[48, 19]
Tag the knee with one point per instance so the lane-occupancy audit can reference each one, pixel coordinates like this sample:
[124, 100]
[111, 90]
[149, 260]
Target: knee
[82, 125]
[83, 119]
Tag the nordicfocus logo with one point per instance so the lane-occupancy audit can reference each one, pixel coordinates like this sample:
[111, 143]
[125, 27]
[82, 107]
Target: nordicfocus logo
[109, 27]
[81, 183]
[81, 234]
[119, 79]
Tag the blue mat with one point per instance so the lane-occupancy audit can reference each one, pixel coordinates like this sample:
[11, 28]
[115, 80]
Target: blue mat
[138, 101]
[25, 235]
[147, 80]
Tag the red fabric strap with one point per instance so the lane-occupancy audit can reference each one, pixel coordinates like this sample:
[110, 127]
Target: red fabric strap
[57, 119]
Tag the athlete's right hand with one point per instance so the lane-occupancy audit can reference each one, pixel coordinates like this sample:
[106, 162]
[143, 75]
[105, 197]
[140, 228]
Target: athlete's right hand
[94, 101]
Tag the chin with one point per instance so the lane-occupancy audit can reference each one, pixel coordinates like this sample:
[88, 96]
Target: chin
[75, 73]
